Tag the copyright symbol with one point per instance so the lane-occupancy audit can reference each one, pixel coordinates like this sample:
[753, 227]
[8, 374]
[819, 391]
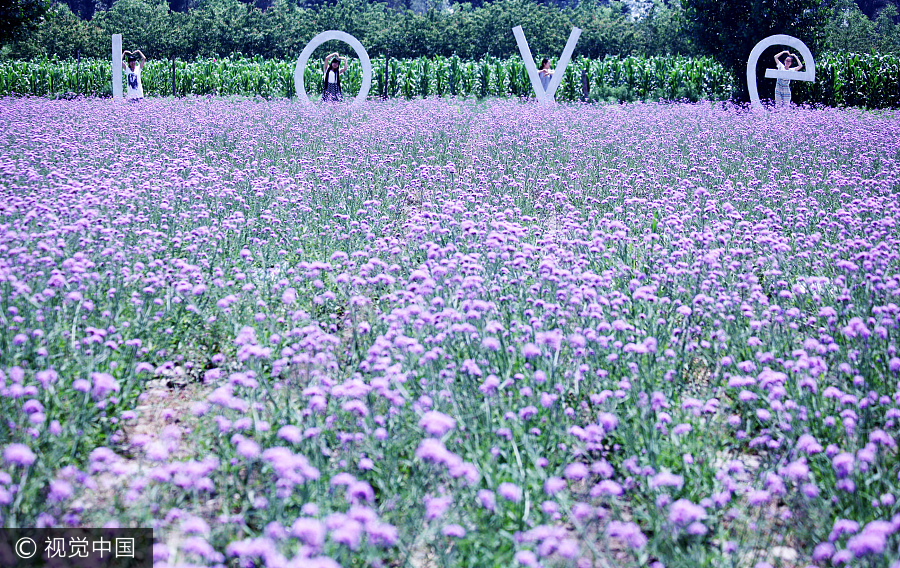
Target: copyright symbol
[22, 548]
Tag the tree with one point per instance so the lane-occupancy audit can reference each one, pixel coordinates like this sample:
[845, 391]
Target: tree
[144, 25]
[64, 35]
[19, 18]
[887, 30]
[493, 24]
[606, 29]
[661, 31]
[728, 30]
[849, 29]
[872, 8]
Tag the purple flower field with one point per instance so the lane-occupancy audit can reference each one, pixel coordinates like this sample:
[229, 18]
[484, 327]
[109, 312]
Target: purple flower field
[445, 333]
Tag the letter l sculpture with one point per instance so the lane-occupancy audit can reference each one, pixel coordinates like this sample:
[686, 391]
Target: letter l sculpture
[117, 66]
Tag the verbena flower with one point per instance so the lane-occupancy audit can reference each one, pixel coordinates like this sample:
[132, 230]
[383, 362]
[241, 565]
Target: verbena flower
[18, 454]
[554, 485]
[487, 500]
[510, 492]
[842, 527]
[630, 533]
[309, 531]
[666, 479]
[435, 507]
[576, 471]
[436, 423]
[607, 487]
[683, 512]
[453, 530]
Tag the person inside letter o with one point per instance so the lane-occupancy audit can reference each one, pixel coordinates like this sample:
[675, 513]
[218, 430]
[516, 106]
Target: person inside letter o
[332, 89]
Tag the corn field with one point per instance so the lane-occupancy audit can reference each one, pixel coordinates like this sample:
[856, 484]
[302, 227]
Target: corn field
[841, 79]
[629, 78]
[854, 80]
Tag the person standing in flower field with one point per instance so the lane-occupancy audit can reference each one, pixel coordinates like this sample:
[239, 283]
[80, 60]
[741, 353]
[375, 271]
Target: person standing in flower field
[332, 88]
[133, 75]
[783, 86]
[545, 73]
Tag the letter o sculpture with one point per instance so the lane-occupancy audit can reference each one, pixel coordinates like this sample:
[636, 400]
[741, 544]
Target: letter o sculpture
[780, 39]
[319, 40]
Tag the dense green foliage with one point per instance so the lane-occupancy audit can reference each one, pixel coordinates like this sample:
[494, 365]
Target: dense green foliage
[20, 17]
[730, 29]
[849, 29]
[611, 78]
[223, 27]
[850, 79]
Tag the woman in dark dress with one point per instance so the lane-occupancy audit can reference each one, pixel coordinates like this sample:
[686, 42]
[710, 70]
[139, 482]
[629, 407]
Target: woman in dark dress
[332, 88]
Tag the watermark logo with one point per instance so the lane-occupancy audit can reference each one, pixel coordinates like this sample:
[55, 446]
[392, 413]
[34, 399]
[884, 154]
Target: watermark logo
[94, 547]
[25, 548]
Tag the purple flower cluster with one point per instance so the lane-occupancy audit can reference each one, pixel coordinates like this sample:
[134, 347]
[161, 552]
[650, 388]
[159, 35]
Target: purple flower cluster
[658, 318]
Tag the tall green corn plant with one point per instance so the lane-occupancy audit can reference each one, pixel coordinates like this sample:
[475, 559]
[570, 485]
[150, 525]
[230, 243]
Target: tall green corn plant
[408, 86]
[887, 72]
[568, 90]
[630, 70]
[673, 81]
[616, 71]
[839, 63]
[351, 81]
[517, 75]
[313, 79]
[875, 83]
[719, 85]
[13, 79]
[855, 81]
[154, 79]
[660, 68]
[501, 81]
[598, 73]
[378, 76]
[286, 74]
[441, 74]
[644, 81]
[37, 84]
[703, 80]
[469, 77]
[455, 75]
[394, 78]
[425, 72]
[483, 76]
[55, 82]
[235, 82]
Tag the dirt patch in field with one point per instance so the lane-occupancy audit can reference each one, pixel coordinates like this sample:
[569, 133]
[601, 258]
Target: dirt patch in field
[163, 415]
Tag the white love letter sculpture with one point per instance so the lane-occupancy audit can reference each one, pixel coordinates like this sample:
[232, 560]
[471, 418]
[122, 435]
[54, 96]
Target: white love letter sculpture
[319, 40]
[546, 97]
[780, 39]
[117, 66]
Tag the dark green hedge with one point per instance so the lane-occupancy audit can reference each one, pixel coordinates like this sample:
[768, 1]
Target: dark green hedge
[224, 27]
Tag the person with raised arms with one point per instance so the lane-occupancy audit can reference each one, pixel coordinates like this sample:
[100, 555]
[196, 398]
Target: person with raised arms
[783, 86]
[133, 75]
[332, 89]
[545, 73]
